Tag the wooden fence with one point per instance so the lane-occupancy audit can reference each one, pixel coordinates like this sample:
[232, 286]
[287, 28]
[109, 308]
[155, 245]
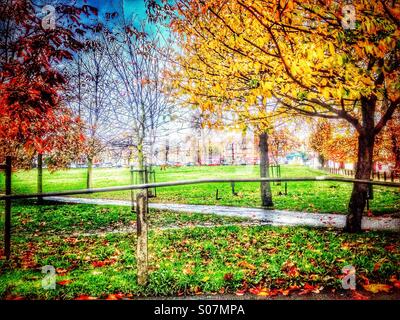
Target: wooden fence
[375, 175]
[142, 204]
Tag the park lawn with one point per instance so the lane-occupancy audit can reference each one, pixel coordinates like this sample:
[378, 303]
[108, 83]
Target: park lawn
[59, 218]
[226, 259]
[325, 197]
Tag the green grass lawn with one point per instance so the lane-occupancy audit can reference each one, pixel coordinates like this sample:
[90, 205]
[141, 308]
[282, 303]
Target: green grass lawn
[304, 196]
[57, 218]
[224, 256]
[224, 259]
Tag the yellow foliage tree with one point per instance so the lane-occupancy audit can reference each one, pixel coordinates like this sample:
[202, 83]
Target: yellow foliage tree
[316, 58]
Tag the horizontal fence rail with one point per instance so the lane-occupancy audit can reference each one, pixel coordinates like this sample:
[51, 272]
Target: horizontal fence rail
[191, 182]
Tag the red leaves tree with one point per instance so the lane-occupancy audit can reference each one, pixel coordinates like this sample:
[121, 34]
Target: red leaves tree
[32, 115]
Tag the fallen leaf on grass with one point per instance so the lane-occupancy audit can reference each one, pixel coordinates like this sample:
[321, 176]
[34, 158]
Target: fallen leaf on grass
[85, 297]
[364, 279]
[188, 271]
[390, 247]
[254, 291]
[61, 271]
[240, 292]
[246, 265]
[228, 276]
[395, 282]
[64, 282]
[290, 269]
[310, 288]
[358, 296]
[103, 263]
[15, 298]
[377, 287]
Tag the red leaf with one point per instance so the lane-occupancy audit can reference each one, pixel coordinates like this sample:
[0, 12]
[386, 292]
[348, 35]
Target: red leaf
[64, 282]
[390, 247]
[395, 282]
[358, 296]
[85, 297]
[254, 291]
[240, 292]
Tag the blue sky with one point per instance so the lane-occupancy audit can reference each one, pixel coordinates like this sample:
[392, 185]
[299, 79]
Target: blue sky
[131, 7]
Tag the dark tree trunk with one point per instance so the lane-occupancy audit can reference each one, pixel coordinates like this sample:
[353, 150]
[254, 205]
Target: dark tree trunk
[366, 141]
[40, 177]
[89, 177]
[322, 160]
[266, 194]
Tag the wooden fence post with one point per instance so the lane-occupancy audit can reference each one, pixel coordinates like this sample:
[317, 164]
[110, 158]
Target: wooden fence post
[7, 209]
[141, 224]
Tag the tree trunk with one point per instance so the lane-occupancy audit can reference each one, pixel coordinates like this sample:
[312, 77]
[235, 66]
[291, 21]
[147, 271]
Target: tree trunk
[89, 177]
[142, 237]
[266, 194]
[40, 177]
[321, 159]
[358, 197]
[141, 162]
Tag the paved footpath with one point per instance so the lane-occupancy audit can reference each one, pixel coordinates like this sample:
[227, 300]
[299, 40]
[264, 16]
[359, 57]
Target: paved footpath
[264, 216]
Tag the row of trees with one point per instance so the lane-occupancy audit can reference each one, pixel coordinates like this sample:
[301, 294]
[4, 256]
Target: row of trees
[70, 91]
[246, 63]
[338, 142]
[311, 58]
[116, 86]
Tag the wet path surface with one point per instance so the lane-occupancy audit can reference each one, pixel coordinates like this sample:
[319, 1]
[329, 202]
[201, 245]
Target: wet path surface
[264, 216]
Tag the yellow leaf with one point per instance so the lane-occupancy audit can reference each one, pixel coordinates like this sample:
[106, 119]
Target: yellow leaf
[377, 287]
[331, 48]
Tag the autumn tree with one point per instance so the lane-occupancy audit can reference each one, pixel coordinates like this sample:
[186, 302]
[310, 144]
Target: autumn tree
[34, 119]
[142, 106]
[337, 141]
[281, 142]
[316, 58]
[90, 96]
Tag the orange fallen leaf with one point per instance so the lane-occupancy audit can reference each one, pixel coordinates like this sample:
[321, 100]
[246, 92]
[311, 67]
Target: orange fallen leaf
[245, 264]
[286, 292]
[61, 271]
[358, 296]
[254, 291]
[85, 297]
[188, 271]
[240, 292]
[264, 293]
[377, 287]
[395, 282]
[64, 282]
[364, 278]
[228, 276]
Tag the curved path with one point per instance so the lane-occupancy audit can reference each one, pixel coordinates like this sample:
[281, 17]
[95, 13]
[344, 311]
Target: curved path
[264, 216]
